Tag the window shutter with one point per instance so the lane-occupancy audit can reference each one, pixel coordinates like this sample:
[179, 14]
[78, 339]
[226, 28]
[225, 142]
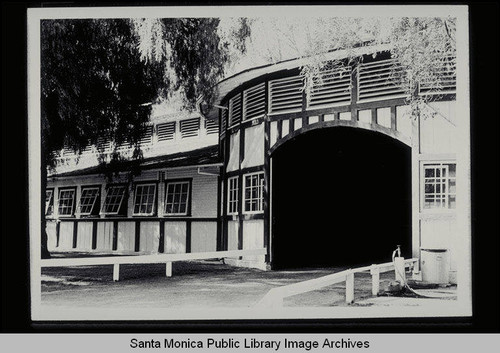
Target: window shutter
[447, 80]
[190, 127]
[235, 110]
[166, 131]
[331, 87]
[212, 126]
[146, 136]
[286, 94]
[254, 101]
[380, 80]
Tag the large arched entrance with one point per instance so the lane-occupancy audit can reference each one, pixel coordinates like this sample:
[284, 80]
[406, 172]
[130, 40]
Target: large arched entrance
[340, 196]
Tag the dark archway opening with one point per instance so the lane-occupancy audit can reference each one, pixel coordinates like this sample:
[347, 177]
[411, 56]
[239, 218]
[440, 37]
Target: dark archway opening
[340, 196]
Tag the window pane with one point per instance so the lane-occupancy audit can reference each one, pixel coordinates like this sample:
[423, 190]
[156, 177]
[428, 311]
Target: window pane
[177, 198]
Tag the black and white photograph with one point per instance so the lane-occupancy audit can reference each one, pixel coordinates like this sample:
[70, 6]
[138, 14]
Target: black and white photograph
[267, 162]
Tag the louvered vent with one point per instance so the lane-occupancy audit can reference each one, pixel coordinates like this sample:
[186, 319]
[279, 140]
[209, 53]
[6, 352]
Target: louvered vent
[447, 80]
[235, 110]
[166, 131]
[286, 94]
[331, 87]
[146, 136]
[380, 80]
[104, 143]
[254, 102]
[223, 118]
[190, 127]
[212, 126]
[87, 149]
[68, 150]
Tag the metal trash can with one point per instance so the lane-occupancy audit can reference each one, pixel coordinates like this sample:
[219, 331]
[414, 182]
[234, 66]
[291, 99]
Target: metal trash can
[435, 265]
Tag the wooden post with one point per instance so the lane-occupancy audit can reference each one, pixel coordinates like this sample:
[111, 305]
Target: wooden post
[375, 272]
[116, 272]
[399, 270]
[349, 287]
[168, 269]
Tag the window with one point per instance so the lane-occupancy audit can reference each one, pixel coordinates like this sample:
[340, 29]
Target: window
[145, 196]
[114, 200]
[88, 200]
[233, 188]
[66, 202]
[177, 198]
[254, 185]
[49, 202]
[439, 186]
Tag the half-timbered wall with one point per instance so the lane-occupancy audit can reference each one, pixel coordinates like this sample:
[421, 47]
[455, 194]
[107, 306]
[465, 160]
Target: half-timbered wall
[131, 233]
[367, 96]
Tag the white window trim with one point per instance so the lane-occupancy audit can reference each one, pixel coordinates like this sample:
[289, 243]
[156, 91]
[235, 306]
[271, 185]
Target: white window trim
[229, 195]
[188, 199]
[78, 207]
[440, 210]
[261, 194]
[72, 214]
[121, 200]
[135, 199]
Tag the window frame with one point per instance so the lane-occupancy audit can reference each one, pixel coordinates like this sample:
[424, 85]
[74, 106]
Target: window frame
[439, 164]
[230, 192]
[51, 200]
[73, 205]
[120, 207]
[260, 198]
[155, 198]
[187, 181]
[92, 212]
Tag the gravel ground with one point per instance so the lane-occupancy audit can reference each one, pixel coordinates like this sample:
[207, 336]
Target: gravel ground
[195, 284]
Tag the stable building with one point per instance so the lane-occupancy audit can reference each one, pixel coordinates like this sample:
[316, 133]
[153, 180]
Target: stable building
[339, 174]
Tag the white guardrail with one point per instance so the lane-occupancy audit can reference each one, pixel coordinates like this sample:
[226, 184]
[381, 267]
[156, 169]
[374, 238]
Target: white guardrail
[274, 298]
[116, 261]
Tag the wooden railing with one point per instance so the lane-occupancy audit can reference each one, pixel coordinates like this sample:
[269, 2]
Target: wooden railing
[274, 298]
[116, 261]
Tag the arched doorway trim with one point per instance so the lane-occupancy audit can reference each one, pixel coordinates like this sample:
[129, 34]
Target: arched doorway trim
[280, 140]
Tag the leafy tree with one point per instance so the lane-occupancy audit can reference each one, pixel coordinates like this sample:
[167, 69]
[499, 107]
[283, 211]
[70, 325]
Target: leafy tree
[100, 78]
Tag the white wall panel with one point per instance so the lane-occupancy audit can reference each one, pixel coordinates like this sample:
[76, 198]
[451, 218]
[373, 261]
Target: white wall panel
[203, 236]
[149, 237]
[254, 146]
[175, 237]
[84, 236]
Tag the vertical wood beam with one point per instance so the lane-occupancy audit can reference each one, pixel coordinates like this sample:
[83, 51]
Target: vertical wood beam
[354, 93]
[94, 235]
[58, 232]
[375, 272]
[137, 236]
[116, 272]
[75, 233]
[218, 224]
[168, 269]
[188, 236]
[349, 287]
[374, 116]
[393, 118]
[115, 235]
[161, 242]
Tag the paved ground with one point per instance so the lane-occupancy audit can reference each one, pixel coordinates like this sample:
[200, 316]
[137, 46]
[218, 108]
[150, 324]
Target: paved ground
[195, 284]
